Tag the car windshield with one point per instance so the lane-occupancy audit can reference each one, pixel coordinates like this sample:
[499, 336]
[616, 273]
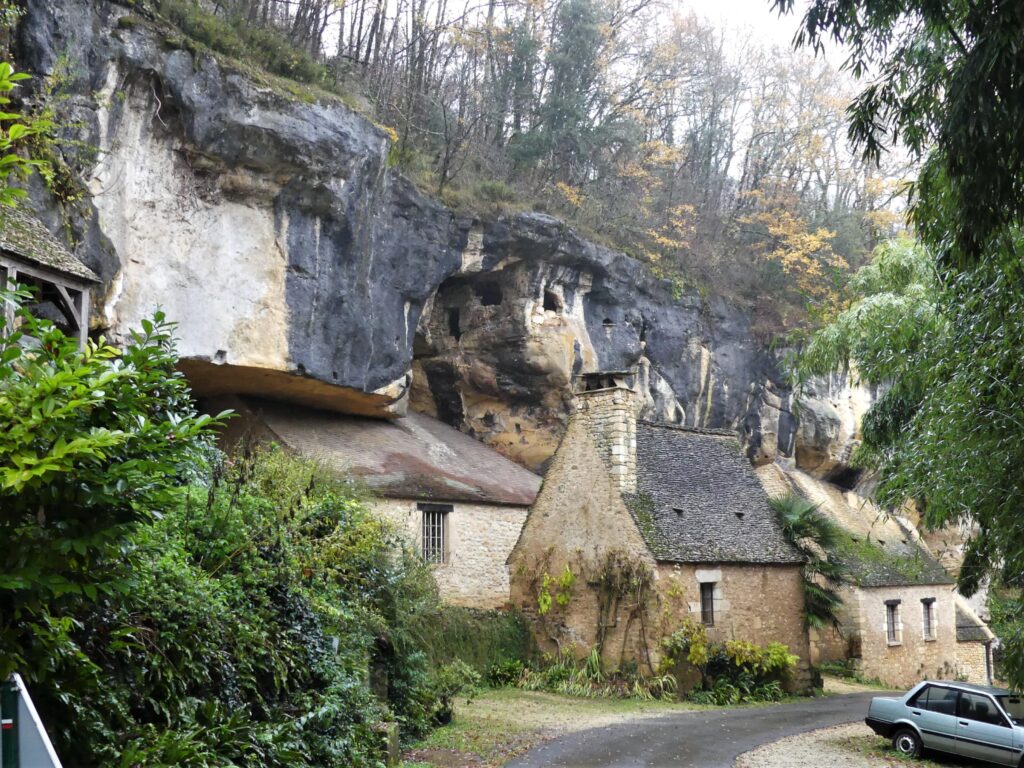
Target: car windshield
[1014, 706]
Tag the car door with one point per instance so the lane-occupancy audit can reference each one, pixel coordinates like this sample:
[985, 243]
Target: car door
[983, 732]
[933, 710]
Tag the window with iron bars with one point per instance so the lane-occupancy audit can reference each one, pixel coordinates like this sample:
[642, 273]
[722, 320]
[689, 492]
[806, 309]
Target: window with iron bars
[435, 532]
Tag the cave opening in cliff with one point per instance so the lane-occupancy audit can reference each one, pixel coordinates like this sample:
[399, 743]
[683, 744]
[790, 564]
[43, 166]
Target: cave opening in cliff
[454, 329]
[552, 302]
[845, 477]
[489, 294]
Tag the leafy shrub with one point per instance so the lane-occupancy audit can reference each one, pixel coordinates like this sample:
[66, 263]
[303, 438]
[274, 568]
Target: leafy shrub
[448, 681]
[170, 606]
[569, 676]
[256, 606]
[479, 638]
[92, 443]
[505, 673]
[733, 672]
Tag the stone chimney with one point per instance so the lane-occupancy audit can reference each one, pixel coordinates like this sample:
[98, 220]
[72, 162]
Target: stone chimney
[608, 404]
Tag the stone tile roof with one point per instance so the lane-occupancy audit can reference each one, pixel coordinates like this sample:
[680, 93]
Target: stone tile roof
[969, 628]
[415, 457]
[26, 237]
[906, 563]
[876, 548]
[698, 500]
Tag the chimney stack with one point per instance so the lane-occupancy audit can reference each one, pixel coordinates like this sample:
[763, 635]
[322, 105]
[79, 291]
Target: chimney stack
[608, 404]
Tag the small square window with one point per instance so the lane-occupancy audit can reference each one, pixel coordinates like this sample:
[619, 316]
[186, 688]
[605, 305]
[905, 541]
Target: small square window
[707, 603]
[435, 532]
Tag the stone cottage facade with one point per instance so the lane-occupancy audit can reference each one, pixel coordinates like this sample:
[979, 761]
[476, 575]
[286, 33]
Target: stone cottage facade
[461, 503]
[640, 525]
[902, 620]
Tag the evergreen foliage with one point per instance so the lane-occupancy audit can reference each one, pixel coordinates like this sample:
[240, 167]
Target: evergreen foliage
[945, 434]
[816, 537]
[172, 606]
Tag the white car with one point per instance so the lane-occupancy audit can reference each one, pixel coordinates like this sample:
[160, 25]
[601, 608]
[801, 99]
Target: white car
[976, 721]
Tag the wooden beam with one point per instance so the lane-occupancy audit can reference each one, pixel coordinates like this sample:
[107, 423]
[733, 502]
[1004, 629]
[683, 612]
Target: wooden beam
[70, 305]
[9, 274]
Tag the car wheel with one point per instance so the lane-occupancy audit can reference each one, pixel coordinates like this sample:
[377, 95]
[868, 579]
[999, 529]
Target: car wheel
[907, 742]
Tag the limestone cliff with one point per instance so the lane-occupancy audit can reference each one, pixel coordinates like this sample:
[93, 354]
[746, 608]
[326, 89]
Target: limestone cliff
[300, 266]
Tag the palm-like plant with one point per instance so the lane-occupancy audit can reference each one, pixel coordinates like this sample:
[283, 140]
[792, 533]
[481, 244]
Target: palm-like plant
[815, 536]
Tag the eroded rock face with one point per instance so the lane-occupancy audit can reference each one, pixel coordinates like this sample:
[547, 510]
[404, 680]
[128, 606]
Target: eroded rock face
[300, 267]
[533, 306]
[269, 229]
[829, 413]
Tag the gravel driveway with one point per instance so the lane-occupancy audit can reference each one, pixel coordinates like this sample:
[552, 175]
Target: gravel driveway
[707, 739]
[813, 749]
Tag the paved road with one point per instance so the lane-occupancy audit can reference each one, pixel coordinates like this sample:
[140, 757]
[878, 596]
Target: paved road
[710, 739]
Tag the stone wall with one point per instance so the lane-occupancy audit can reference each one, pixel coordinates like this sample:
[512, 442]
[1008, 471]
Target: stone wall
[757, 603]
[579, 520]
[972, 662]
[480, 538]
[912, 658]
[610, 417]
[842, 642]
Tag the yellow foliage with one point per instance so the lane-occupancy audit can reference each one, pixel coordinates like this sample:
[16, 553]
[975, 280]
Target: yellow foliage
[572, 195]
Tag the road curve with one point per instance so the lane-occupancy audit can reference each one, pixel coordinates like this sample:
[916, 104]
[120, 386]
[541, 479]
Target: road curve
[705, 739]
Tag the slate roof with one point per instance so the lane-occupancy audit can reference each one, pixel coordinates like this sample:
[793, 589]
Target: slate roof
[893, 564]
[414, 457]
[969, 628]
[26, 237]
[723, 512]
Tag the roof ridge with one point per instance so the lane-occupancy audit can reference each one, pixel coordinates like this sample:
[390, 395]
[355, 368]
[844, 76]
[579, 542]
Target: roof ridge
[695, 430]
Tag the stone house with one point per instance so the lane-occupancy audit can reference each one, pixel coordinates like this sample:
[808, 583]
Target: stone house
[462, 503]
[640, 525]
[902, 619]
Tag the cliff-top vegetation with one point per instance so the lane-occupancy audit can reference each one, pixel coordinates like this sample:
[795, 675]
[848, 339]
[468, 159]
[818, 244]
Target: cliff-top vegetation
[722, 165]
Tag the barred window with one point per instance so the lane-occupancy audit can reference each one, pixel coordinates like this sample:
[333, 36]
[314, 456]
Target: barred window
[707, 603]
[435, 532]
[928, 618]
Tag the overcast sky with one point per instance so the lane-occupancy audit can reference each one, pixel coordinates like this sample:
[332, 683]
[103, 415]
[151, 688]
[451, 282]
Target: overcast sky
[743, 19]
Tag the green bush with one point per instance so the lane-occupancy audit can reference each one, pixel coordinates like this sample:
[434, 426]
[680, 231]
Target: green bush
[732, 672]
[170, 606]
[567, 675]
[495, 191]
[479, 638]
[505, 673]
[448, 681]
[257, 606]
